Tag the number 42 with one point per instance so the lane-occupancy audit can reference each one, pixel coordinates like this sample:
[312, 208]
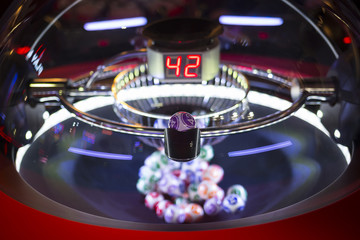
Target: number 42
[188, 66]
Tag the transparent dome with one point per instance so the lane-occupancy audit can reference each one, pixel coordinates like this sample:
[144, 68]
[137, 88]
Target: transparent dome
[88, 89]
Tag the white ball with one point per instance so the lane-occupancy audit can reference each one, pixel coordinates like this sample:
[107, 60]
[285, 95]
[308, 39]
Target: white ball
[152, 198]
[161, 207]
[194, 212]
[218, 193]
[214, 173]
[144, 186]
[194, 165]
[212, 206]
[193, 192]
[238, 190]
[233, 203]
[174, 214]
[172, 185]
[147, 173]
[182, 121]
[207, 189]
[206, 153]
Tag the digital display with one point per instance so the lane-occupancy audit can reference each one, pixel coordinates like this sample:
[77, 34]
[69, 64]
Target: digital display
[181, 66]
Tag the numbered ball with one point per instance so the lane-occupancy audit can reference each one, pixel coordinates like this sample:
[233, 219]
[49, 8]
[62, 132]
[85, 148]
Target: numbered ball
[216, 192]
[193, 212]
[233, 203]
[153, 198]
[193, 192]
[161, 207]
[212, 206]
[170, 184]
[182, 121]
[146, 172]
[206, 153]
[195, 165]
[174, 214]
[144, 186]
[213, 173]
[191, 177]
[153, 160]
[238, 190]
[207, 189]
[181, 202]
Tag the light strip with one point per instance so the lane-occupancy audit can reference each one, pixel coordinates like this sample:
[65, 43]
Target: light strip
[115, 24]
[97, 154]
[260, 149]
[250, 21]
[45, 85]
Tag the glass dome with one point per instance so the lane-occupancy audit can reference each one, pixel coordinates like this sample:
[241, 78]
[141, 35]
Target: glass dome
[88, 89]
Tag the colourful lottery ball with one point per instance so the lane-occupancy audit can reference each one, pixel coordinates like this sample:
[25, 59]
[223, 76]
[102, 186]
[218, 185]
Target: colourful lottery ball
[213, 173]
[174, 214]
[154, 160]
[182, 121]
[193, 212]
[212, 206]
[181, 202]
[217, 192]
[153, 198]
[191, 177]
[195, 165]
[144, 186]
[171, 166]
[206, 153]
[161, 207]
[193, 192]
[172, 185]
[207, 189]
[147, 173]
[233, 203]
[192, 171]
[238, 190]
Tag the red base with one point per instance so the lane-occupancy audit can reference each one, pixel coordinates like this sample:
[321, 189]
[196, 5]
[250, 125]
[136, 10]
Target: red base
[337, 221]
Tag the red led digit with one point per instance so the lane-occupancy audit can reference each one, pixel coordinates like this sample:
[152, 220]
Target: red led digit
[192, 66]
[174, 66]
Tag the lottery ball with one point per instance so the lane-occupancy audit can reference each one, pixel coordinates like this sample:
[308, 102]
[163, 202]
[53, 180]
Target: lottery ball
[193, 192]
[152, 198]
[171, 165]
[161, 207]
[206, 153]
[238, 190]
[170, 184]
[191, 177]
[152, 162]
[213, 173]
[195, 165]
[207, 189]
[144, 186]
[233, 203]
[182, 121]
[193, 212]
[212, 206]
[181, 202]
[147, 173]
[174, 214]
[216, 192]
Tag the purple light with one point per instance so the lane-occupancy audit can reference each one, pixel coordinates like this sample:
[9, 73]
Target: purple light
[260, 149]
[97, 154]
[250, 21]
[115, 24]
